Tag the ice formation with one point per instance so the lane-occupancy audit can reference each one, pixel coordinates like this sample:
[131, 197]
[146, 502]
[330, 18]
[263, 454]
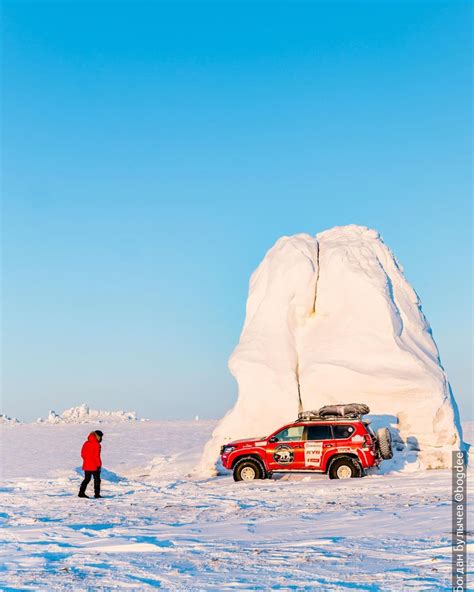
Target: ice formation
[5, 419]
[83, 414]
[332, 319]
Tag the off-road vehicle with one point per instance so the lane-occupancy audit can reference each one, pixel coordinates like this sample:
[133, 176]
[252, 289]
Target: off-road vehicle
[333, 440]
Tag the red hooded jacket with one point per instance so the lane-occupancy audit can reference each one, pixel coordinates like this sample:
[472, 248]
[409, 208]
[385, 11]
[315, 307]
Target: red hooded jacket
[91, 454]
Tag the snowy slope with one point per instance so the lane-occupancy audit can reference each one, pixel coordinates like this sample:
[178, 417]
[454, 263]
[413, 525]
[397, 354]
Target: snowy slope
[157, 527]
[331, 319]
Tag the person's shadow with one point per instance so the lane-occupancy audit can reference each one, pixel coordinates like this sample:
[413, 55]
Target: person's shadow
[105, 475]
[405, 452]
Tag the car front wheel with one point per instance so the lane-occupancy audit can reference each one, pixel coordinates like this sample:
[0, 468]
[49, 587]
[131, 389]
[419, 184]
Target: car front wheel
[248, 469]
[344, 468]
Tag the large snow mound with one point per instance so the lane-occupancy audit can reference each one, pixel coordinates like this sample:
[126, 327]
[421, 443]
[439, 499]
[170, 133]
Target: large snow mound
[83, 414]
[331, 319]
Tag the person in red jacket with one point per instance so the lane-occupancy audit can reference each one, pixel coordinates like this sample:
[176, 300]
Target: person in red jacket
[91, 463]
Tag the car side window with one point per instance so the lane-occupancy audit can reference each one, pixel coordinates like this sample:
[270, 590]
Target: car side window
[343, 431]
[319, 432]
[291, 434]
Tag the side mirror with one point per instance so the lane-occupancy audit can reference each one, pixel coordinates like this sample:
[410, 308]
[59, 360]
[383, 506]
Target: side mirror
[273, 439]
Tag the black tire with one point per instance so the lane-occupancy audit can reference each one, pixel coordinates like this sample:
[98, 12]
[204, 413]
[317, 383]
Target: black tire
[340, 468]
[243, 470]
[384, 440]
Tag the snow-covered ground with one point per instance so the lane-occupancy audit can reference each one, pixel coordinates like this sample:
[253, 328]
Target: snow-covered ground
[159, 526]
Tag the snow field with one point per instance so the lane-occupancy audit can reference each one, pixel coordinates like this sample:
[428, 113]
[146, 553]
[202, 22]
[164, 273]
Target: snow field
[160, 527]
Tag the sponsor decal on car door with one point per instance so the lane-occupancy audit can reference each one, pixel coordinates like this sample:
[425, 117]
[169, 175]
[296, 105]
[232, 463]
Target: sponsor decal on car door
[318, 442]
[313, 452]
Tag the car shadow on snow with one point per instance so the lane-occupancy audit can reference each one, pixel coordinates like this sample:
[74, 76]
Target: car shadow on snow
[405, 452]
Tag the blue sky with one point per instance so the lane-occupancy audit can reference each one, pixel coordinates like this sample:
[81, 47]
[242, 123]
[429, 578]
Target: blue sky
[153, 152]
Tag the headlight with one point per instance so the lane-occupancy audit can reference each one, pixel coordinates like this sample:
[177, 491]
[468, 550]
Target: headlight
[228, 449]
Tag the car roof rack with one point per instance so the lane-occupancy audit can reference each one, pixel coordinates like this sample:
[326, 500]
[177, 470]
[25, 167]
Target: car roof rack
[312, 417]
[335, 412]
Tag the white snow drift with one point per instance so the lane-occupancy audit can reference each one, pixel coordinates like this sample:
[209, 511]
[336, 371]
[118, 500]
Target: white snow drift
[331, 319]
[83, 414]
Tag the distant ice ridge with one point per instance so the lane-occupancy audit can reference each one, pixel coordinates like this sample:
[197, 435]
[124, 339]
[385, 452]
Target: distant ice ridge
[331, 319]
[83, 414]
[5, 419]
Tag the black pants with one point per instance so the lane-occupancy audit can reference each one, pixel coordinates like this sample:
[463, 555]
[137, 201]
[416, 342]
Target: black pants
[87, 478]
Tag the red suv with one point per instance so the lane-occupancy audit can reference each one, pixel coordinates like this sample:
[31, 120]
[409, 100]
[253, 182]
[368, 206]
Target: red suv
[340, 444]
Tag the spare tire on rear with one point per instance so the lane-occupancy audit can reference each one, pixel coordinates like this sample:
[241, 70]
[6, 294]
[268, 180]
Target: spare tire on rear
[384, 442]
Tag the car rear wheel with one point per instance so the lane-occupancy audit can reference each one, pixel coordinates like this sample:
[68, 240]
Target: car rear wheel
[248, 469]
[344, 468]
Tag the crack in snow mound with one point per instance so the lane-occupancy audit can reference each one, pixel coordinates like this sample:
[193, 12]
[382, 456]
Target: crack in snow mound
[332, 319]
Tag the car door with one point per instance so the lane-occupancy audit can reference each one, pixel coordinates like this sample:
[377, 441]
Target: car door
[285, 450]
[319, 442]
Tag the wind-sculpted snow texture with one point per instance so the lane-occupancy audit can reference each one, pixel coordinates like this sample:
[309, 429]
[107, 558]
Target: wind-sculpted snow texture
[331, 319]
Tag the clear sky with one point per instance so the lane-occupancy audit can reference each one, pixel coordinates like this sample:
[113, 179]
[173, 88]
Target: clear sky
[153, 152]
